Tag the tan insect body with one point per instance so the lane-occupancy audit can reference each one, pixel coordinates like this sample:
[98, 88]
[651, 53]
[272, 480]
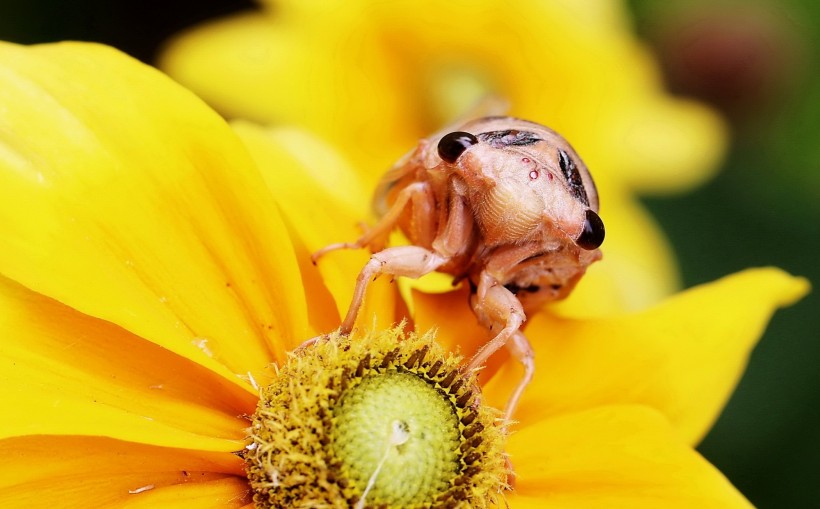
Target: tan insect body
[503, 203]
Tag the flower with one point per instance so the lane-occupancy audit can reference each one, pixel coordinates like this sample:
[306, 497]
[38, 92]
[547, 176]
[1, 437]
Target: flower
[153, 262]
[390, 414]
[374, 77]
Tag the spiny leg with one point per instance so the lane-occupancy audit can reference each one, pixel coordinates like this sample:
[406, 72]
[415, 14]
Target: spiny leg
[521, 349]
[407, 261]
[495, 306]
[418, 194]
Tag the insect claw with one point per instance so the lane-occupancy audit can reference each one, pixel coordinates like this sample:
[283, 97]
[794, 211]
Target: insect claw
[331, 247]
[510, 474]
[309, 342]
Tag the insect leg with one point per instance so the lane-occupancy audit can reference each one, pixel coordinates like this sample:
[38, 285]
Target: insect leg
[495, 306]
[407, 261]
[521, 349]
[418, 193]
[494, 310]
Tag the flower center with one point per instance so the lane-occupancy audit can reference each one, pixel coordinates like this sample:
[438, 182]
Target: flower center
[398, 438]
[388, 420]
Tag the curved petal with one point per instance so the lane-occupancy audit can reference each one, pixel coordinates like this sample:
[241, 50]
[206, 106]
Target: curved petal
[298, 71]
[246, 54]
[574, 65]
[682, 357]
[126, 198]
[614, 456]
[65, 373]
[218, 494]
[628, 278]
[663, 145]
[450, 314]
[323, 201]
[44, 471]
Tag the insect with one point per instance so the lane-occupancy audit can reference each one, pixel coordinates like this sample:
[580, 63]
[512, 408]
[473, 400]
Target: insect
[503, 203]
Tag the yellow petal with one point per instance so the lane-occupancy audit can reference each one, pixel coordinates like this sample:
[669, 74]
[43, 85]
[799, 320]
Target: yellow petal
[219, 494]
[450, 315]
[666, 145]
[616, 456]
[324, 201]
[126, 198]
[46, 471]
[65, 373]
[253, 53]
[297, 72]
[637, 270]
[574, 65]
[682, 357]
[298, 166]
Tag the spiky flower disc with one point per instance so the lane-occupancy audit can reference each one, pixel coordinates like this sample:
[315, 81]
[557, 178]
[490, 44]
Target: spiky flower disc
[386, 420]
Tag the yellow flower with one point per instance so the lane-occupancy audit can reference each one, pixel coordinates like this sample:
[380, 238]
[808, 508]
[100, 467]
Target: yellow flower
[152, 266]
[374, 77]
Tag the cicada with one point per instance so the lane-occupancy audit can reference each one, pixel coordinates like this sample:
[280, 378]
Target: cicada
[503, 204]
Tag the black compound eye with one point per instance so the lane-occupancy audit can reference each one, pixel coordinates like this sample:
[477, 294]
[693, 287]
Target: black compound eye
[593, 233]
[454, 144]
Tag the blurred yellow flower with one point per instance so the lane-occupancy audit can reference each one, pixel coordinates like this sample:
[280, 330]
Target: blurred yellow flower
[152, 266]
[374, 77]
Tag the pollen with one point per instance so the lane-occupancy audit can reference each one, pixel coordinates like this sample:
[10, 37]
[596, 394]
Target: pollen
[384, 420]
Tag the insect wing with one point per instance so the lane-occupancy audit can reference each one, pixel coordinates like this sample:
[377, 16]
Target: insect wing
[388, 183]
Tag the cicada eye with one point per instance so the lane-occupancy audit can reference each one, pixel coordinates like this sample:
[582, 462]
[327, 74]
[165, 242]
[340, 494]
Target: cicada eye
[454, 144]
[593, 233]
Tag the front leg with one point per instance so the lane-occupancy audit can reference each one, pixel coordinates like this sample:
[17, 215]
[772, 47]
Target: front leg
[407, 261]
[496, 307]
[418, 195]
[521, 349]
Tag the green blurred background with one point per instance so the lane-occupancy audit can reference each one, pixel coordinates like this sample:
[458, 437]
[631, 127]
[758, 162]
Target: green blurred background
[756, 61]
